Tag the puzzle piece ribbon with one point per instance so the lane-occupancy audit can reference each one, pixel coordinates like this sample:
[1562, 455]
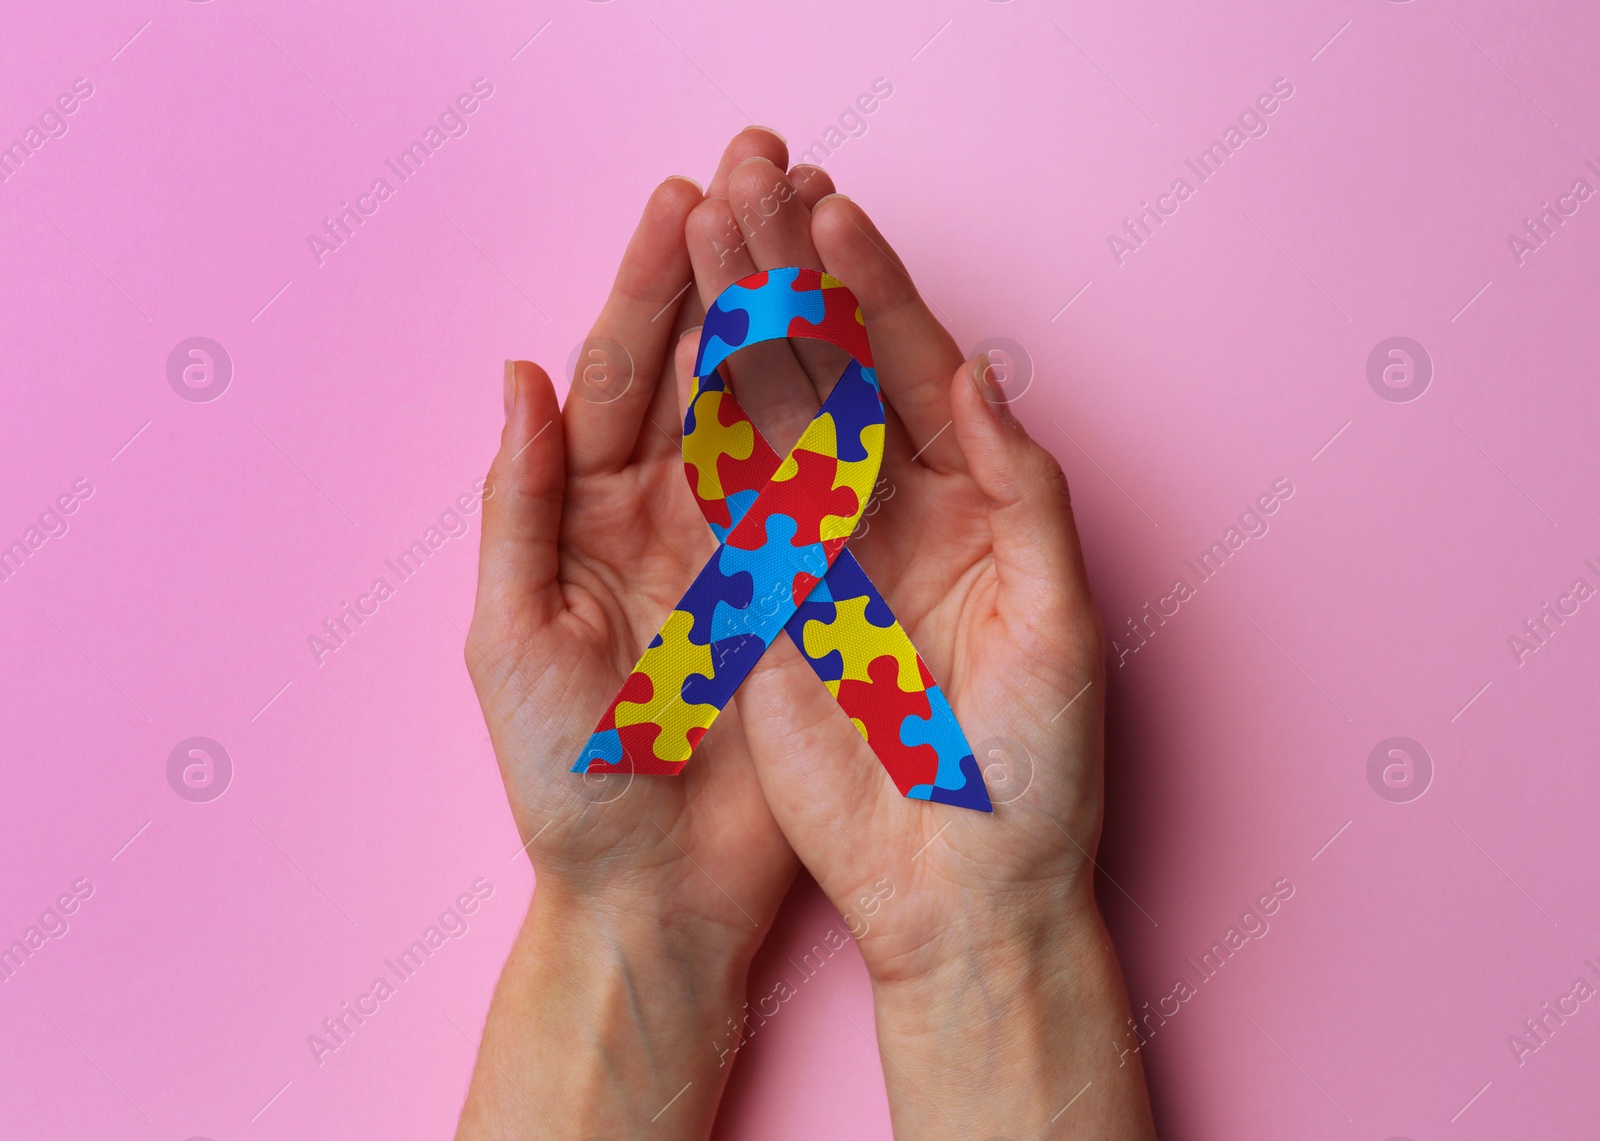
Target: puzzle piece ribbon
[782, 564]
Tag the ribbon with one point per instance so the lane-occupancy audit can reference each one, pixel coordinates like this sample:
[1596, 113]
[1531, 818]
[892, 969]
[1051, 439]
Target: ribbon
[782, 564]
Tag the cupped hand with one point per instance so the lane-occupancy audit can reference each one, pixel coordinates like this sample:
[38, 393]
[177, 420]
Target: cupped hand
[589, 537]
[991, 968]
[974, 547]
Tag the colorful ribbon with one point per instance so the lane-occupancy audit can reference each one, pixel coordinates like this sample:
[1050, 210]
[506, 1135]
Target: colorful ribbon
[782, 565]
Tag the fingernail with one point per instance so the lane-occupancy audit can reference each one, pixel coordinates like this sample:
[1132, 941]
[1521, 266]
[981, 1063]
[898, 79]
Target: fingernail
[829, 198]
[744, 162]
[994, 396]
[510, 387]
[693, 337]
[769, 130]
[685, 178]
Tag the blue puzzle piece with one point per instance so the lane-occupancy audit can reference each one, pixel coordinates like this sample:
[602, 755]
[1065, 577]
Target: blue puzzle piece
[972, 794]
[847, 580]
[712, 591]
[774, 565]
[855, 405]
[743, 316]
[738, 503]
[725, 330]
[731, 658]
[958, 776]
[712, 383]
[605, 746]
[816, 607]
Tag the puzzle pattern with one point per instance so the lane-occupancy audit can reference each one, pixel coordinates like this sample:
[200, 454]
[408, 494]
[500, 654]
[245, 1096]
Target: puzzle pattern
[782, 524]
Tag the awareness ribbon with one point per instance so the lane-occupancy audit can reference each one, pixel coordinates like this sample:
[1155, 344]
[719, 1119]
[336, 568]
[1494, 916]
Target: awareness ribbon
[782, 564]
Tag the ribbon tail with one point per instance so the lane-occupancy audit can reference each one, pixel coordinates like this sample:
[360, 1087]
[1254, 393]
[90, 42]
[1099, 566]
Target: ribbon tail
[683, 680]
[854, 643]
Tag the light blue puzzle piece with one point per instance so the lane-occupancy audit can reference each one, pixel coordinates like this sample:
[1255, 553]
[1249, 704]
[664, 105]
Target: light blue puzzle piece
[772, 570]
[605, 746]
[943, 732]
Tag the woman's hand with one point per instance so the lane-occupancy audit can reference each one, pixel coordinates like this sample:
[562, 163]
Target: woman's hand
[998, 995]
[653, 892]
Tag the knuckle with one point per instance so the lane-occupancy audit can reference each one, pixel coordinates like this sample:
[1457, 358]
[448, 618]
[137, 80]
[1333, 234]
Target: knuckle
[1051, 477]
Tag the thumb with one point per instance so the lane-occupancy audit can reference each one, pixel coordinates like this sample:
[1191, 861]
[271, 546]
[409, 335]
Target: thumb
[1037, 556]
[522, 494]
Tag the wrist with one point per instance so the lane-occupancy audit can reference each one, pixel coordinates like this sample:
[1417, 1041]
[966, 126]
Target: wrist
[1032, 1004]
[640, 920]
[1002, 927]
[610, 1018]
[1023, 948]
[675, 961]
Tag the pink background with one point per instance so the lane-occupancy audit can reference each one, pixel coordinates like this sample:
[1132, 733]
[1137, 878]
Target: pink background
[1177, 387]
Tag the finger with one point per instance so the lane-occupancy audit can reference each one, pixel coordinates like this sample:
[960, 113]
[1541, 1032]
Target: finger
[775, 224]
[621, 361]
[1043, 587]
[913, 352]
[768, 381]
[518, 561]
[812, 182]
[683, 370]
[663, 434]
[751, 141]
[776, 227]
[816, 773]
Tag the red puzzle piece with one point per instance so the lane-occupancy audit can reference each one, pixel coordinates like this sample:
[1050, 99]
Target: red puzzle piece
[638, 689]
[881, 705]
[838, 325]
[639, 751]
[638, 741]
[747, 474]
[807, 499]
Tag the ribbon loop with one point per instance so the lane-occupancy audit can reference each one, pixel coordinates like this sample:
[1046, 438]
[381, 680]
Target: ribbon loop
[782, 563]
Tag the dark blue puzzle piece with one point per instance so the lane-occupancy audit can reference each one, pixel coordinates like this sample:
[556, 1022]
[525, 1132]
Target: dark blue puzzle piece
[846, 579]
[972, 794]
[711, 587]
[731, 660]
[855, 405]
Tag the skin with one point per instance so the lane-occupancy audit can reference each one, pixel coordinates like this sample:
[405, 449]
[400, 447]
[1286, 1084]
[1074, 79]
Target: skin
[991, 969]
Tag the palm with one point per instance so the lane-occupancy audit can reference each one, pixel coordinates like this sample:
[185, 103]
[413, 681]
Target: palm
[1001, 619]
[627, 548]
[846, 820]
[589, 538]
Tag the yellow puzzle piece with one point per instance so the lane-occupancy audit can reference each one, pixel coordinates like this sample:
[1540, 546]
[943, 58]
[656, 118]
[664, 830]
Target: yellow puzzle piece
[667, 665]
[859, 643]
